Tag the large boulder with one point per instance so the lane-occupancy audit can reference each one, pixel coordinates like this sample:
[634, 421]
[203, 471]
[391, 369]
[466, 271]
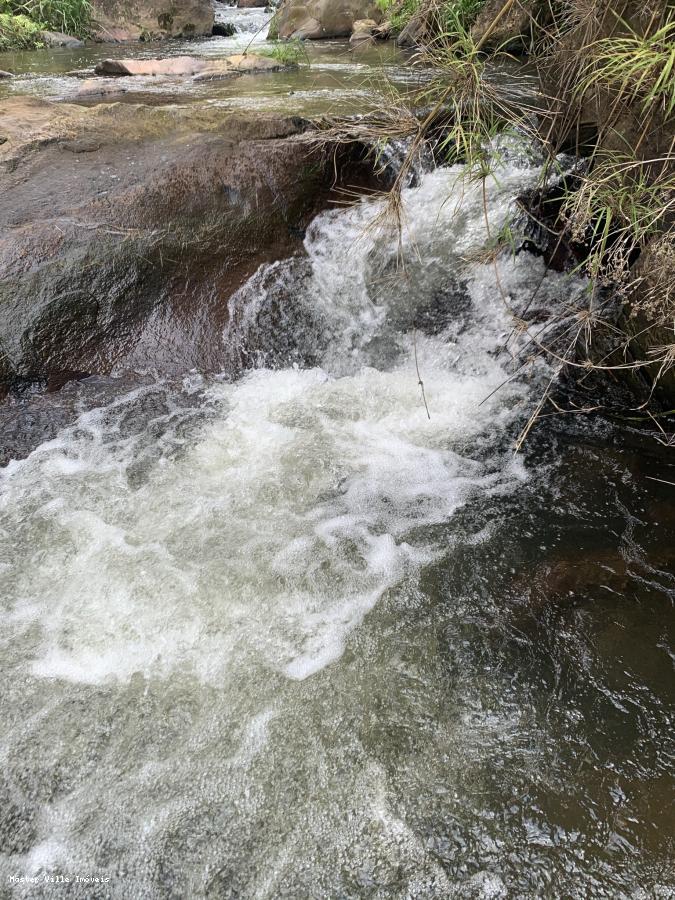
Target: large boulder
[124, 229]
[316, 19]
[130, 20]
[503, 25]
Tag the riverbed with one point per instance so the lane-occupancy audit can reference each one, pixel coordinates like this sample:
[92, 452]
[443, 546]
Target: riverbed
[309, 626]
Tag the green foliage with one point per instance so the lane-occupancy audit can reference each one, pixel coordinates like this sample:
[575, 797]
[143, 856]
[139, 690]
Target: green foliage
[19, 33]
[458, 15]
[448, 14]
[69, 16]
[619, 207]
[640, 68]
[287, 53]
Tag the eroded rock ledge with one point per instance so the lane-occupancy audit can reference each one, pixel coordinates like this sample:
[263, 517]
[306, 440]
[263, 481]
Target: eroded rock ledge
[124, 229]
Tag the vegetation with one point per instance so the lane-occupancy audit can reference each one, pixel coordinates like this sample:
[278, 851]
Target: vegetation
[19, 33]
[288, 53]
[22, 21]
[450, 14]
[608, 68]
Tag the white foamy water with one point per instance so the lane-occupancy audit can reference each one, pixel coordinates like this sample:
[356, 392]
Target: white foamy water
[247, 23]
[192, 580]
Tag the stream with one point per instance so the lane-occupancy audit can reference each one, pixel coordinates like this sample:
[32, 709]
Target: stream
[309, 629]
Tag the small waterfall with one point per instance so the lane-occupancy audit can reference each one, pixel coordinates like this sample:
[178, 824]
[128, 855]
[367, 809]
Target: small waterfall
[234, 664]
[246, 23]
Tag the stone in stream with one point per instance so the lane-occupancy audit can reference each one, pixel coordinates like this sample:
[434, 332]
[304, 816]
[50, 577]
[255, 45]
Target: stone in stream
[5, 74]
[363, 30]
[124, 229]
[248, 64]
[99, 87]
[175, 65]
[316, 19]
[59, 39]
[203, 69]
[223, 29]
[251, 4]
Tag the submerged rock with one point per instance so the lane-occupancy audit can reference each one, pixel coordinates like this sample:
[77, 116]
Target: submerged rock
[124, 229]
[99, 87]
[316, 19]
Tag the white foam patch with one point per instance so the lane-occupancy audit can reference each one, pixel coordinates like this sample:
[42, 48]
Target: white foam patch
[293, 511]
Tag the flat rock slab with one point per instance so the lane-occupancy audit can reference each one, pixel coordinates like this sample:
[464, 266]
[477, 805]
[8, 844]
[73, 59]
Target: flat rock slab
[239, 65]
[176, 65]
[187, 66]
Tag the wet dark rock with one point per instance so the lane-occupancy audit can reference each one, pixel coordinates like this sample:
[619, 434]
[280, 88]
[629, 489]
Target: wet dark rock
[59, 39]
[251, 4]
[223, 29]
[4, 74]
[120, 250]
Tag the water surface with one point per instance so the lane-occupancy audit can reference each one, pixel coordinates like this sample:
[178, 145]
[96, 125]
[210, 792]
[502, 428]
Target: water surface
[302, 631]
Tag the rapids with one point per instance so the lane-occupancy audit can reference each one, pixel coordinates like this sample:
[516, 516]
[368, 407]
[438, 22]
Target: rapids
[311, 629]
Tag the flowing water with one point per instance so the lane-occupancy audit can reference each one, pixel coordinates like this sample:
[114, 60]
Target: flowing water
[286, 633]
[335, 77]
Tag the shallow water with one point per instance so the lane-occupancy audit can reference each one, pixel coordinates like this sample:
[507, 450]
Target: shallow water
[306, 632]
[335, 77]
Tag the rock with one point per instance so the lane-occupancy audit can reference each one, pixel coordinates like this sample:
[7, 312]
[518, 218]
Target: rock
[175, 65]
[223, 29]
[98, 87]
[508, 30]
[84, 145]
[251, 4]
[363, 30]
[124, 229]
[414, 33]
[119, 21]
[5, 74]
[58, 39]
[316, 19]
[232, 66]
[203, 69]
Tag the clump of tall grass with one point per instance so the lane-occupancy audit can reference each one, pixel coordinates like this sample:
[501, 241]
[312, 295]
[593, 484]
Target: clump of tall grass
[446, 14]
[69, 16]
[617, 209]
[640, 68]
[287, 53]
[19, 33]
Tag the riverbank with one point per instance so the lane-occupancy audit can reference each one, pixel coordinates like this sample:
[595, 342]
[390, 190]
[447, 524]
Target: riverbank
[608, 97]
